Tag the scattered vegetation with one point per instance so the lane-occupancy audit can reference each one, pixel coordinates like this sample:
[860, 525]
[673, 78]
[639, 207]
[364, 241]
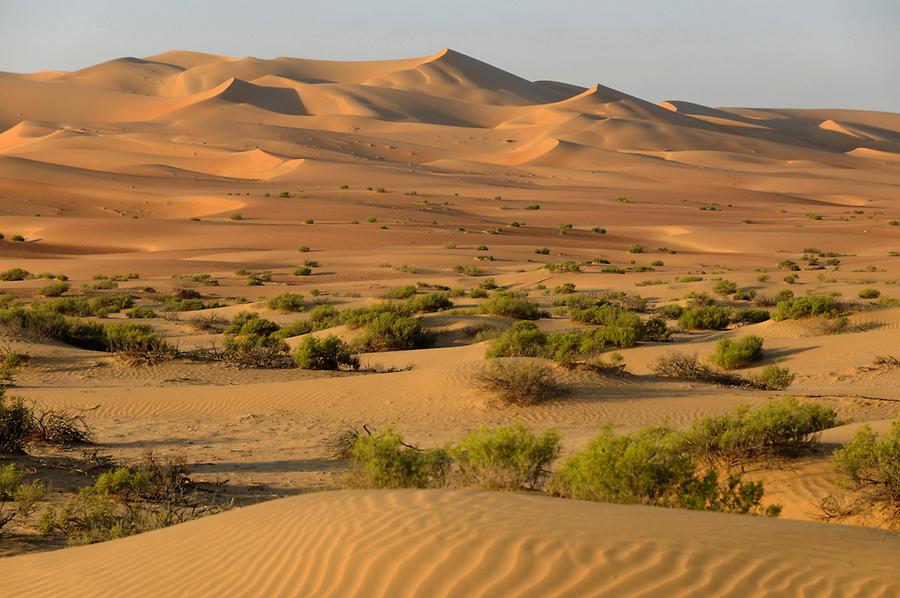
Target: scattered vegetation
[518, 382]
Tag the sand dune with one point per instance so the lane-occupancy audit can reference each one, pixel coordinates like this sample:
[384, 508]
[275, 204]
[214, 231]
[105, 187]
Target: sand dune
[448, 543]
[208, 173]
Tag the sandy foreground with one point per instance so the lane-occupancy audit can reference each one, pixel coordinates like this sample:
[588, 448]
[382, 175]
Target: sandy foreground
[393, 173]
[469, 543]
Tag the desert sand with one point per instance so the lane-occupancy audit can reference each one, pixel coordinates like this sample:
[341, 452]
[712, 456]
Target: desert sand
[393, 173]
[468, 543]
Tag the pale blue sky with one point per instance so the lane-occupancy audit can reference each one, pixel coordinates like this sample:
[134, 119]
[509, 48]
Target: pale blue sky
[785, 53]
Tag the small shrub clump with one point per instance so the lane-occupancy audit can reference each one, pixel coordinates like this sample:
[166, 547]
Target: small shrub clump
[736, 354]
[708, 317]
[383, 460]
[516, 382]
[507, 458]
[651, 466]
[329, 353]
[870, 467]
[511, 305]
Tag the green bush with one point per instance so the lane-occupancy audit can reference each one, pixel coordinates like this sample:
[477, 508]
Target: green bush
[871, 467]
[736, 354]
[109, 304]
[511, 305]
[651, 466]
[16, 424]
[429, 302]
[869, 294]
[286, 302]
[55, 290]
[518, 382]
[724, 288]
[137, 339]
[390, 332]
[404, 292]
[507, 458]
[777, 429]
[805, 307]
[709, 317]
[384, 461]
[13, 489]
[329, 353]
[253, 341]
[524, 339]
[749, 315]
[140, 313]
[15, 274]
[773, 377]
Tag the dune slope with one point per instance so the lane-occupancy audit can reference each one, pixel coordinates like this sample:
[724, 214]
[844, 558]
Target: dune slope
[452, 543]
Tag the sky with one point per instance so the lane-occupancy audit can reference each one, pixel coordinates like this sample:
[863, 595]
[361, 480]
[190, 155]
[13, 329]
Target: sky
[759, 53]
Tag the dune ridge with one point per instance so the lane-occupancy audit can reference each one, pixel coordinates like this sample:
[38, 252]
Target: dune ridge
[447, 543]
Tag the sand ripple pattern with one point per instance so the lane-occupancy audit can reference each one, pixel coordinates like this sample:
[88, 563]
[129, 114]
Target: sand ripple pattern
[469, 543]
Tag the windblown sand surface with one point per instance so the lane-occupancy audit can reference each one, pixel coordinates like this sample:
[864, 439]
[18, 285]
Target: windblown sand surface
[393, 173]
[468, 543]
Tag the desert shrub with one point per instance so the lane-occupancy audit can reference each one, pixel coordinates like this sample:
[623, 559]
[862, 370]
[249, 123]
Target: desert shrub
[469, 270]
[383, 460]
[85, 335]
[108, 304]
[516, 382]
[209, 323]
[688, 367]
[61, 427]
[524, 339]
[286, 302]
[137, 339]
[404, 292]
[672, 311]
[55, 290]
[806, 307]
[126, 501]
[13, 489]
[478, 293]
[15, 274]
[33, 324]
[140, 313]
[710, 317]
[724, 288]
[429, 302]
[869, 294]
[736, 354]
[651, 466]
[10, 361]
[507, 458]
[870, 467]
[773, 377]
[388, 331]
[781, 428]
[16, 424]
[748, 315]
[695, 299]
[252, 341]
[511, 305]
[329, 353]
[744, 295]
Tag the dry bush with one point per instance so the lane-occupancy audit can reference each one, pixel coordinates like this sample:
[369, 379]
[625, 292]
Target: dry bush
[518, 382]
[62, 427]
[689, 367]
[213, 323]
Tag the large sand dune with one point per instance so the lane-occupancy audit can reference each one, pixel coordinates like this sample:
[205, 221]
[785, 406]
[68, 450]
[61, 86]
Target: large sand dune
[400, 172]
[467, 543]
